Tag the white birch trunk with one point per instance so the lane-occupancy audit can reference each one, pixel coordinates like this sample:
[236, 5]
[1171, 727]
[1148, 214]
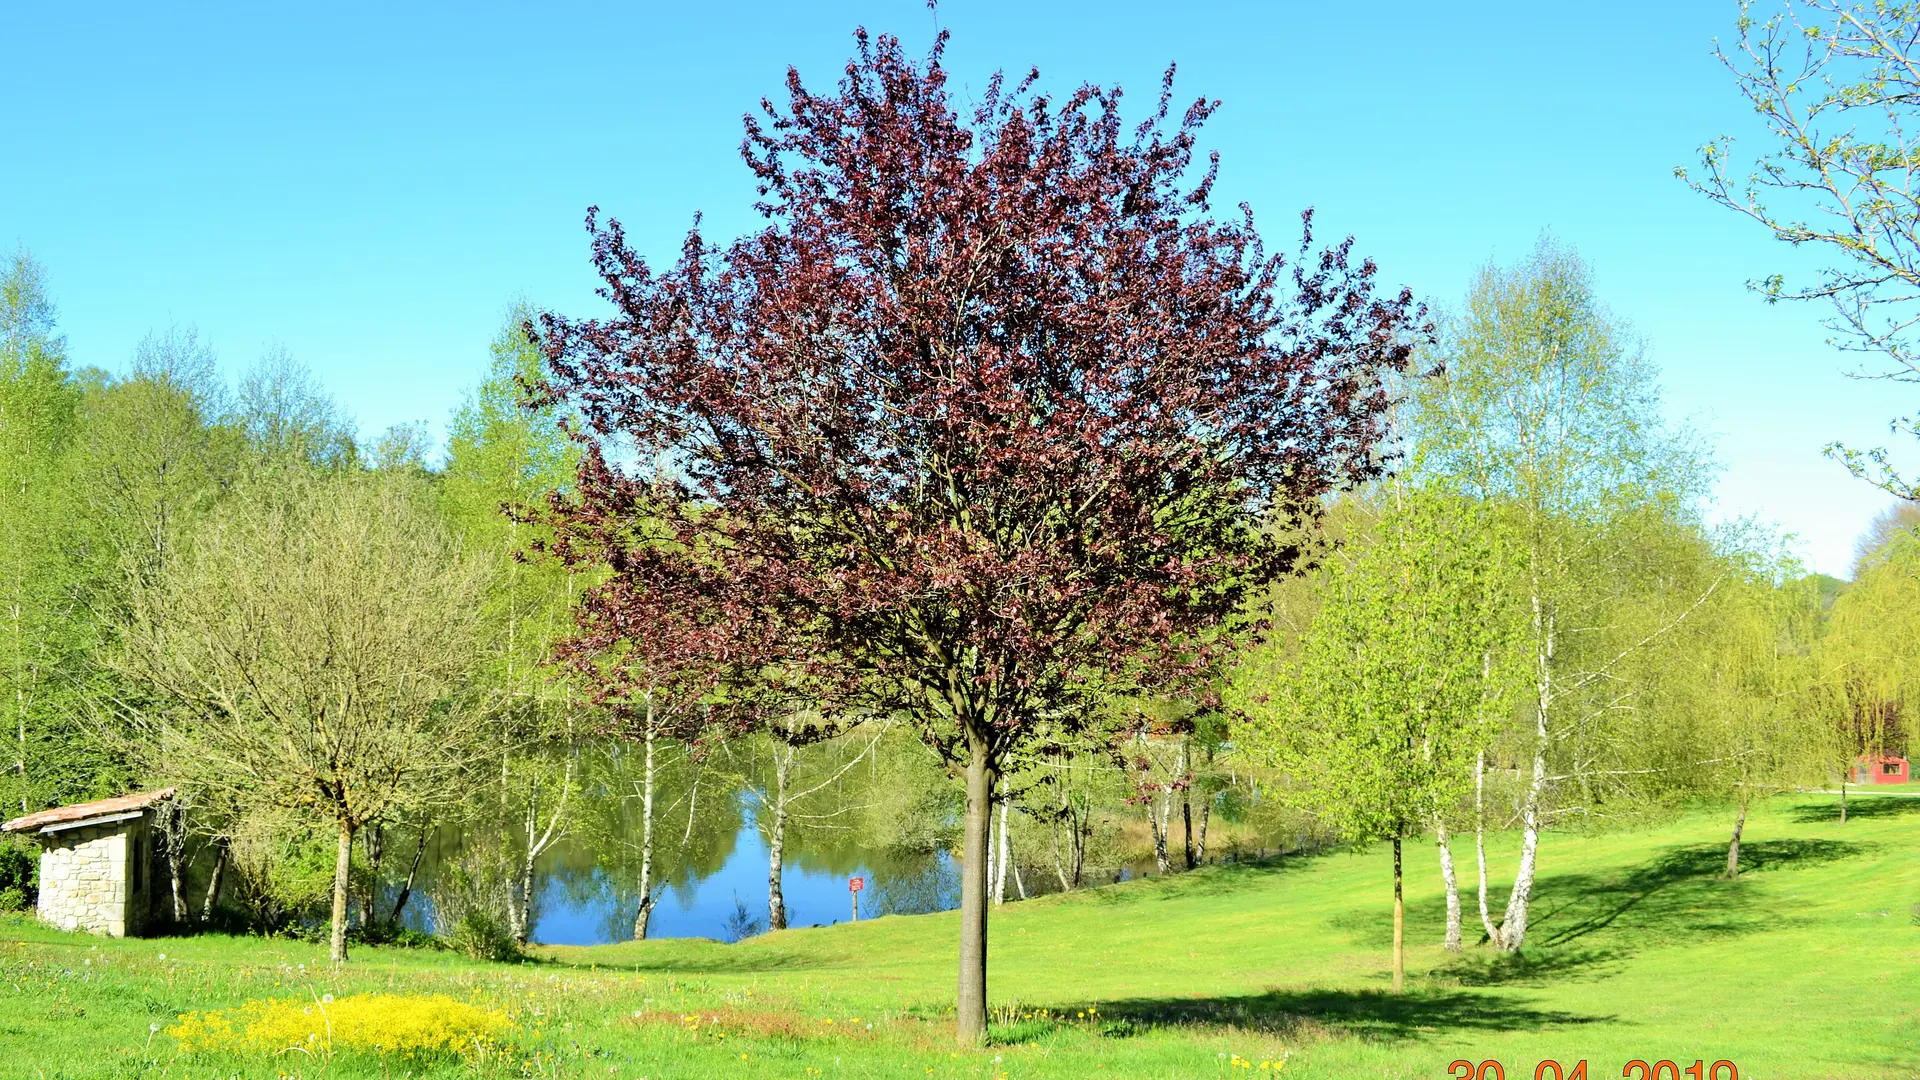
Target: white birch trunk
[1157, 813]
[1480, 840]
[1513, 923]
[1453, 887]
[777, 837]
[645, 914]
[1000, 854]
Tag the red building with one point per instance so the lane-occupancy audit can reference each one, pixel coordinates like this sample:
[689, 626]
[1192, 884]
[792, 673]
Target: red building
[1880, 769]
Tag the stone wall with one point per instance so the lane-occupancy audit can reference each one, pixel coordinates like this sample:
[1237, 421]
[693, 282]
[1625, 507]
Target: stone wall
[97, 878]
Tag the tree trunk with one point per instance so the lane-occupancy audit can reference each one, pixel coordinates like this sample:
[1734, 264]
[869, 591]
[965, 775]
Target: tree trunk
[1513, 923]
[174, 835]
[376, 847]
[1186, 807]
[777, 838]
[1480, 840]
[19, 704]
[1733, 849]
[1399, 924]
[342, 868]
[1200, 849]
[1000, 865]
[214, 879]
[520, 905]
[1157, 817]
[970, 1022]
[1082, 828]
[1843, 799]
[413, 870]
[1063, 820]
[1060, 852]
[1453, 888]
[645, 914]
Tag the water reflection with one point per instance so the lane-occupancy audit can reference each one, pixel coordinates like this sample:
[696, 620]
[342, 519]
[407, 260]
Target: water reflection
[585, 893]
[592, 909]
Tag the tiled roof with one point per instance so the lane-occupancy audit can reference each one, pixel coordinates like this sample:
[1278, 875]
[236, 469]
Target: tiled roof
[82, 811]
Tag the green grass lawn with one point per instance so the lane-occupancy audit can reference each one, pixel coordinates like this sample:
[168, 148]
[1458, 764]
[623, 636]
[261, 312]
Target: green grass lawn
[1807, 967]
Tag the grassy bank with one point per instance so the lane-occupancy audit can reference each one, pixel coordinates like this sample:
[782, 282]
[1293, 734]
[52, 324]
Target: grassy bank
[1809, 966]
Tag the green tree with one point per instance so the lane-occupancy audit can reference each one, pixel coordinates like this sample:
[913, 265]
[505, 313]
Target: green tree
[317, 647]
[502, 457]
[795, 770]
[150, 457]
[288, 420]
[1762, 703]
[1870, 654]
[1545, 409]
[42, 599]
[1376, 712]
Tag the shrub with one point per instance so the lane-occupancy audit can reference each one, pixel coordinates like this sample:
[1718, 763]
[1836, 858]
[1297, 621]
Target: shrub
[418, 1027]
[280, 876]
[483, 935]
[19, 873]
[471, 896]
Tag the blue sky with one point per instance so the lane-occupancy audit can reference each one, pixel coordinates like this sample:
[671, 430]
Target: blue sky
[372, 187]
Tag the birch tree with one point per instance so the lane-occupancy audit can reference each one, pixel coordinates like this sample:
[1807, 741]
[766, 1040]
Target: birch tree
[795, 771]
[1545, 408]
[501, 458]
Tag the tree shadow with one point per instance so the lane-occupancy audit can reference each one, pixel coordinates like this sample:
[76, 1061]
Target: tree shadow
[1585, 925]
[1873, 807]
[1536, 965]
[1682, 892]
[1371, 1014]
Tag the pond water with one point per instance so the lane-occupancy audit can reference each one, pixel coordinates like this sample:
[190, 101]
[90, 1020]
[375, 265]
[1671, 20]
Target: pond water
[585, 893]
[597, 910]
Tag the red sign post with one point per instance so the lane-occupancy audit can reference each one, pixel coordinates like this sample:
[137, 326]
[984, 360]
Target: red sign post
[854, 885]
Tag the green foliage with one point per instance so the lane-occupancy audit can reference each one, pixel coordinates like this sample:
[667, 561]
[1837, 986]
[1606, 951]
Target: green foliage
[288, 421]
[1546, 410]
[471, 902]
[19, 873]
[46, 633]
[1870, 652]
[1752, 681]
[280, 874]
[1409, 664]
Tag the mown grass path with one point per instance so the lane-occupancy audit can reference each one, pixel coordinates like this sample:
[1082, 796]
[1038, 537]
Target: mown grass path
[1807, 967]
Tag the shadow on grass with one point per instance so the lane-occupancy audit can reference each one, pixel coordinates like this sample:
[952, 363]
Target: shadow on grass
[1371, 1014]
[1874, 807]
[1585, 925]
[1535, 964]
[1680, 894]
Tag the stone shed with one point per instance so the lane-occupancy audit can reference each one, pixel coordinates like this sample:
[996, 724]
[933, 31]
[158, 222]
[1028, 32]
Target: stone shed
[100, 868]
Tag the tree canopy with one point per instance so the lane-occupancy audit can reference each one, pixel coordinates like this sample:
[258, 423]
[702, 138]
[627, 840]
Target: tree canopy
[985, 421]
